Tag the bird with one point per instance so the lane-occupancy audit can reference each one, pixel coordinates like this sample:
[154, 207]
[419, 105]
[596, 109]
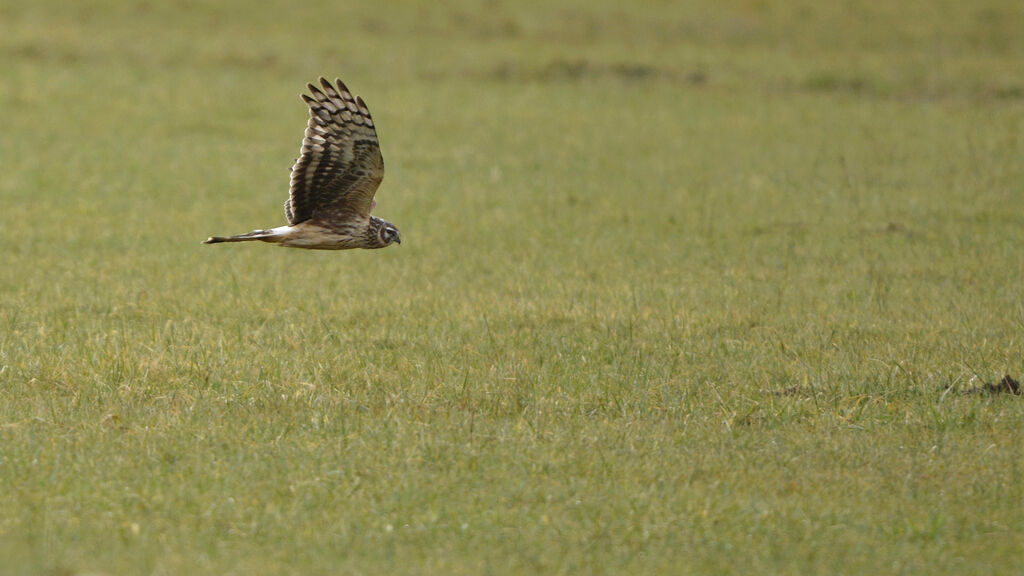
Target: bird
[333, 181]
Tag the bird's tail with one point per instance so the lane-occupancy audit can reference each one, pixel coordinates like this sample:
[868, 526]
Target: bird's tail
[264, 235]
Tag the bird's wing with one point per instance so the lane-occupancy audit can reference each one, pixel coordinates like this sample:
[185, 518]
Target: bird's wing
[340, 166]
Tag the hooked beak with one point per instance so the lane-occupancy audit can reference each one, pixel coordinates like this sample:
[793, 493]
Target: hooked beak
[398, 239]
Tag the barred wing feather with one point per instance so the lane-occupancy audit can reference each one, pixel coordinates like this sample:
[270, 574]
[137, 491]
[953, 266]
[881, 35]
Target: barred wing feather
[340, 167]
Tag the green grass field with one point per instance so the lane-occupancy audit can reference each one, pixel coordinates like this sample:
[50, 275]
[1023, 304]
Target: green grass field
[695, 287]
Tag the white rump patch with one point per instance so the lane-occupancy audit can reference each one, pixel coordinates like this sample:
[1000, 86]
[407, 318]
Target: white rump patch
[281, 230]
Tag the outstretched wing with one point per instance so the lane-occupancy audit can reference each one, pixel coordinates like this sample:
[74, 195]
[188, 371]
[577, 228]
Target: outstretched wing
[340, 168]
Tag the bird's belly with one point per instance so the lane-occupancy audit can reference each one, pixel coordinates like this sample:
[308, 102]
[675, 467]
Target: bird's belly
[315, 237]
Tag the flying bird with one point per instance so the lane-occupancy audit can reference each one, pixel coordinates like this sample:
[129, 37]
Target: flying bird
[333, 180]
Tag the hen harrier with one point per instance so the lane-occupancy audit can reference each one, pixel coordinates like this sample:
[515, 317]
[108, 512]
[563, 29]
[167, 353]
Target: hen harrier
[333, 181]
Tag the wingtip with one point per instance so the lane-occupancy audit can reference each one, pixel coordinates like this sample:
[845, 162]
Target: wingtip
[338, 86]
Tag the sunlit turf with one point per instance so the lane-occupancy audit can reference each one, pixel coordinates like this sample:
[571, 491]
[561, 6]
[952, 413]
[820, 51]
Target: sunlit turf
[682, 289]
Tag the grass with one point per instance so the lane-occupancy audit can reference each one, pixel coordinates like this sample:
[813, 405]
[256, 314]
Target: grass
[692, 288]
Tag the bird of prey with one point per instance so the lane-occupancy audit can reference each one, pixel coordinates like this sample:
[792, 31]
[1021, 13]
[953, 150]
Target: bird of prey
[333, 181]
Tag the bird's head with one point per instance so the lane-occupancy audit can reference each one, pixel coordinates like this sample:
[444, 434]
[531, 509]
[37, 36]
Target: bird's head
[388, 234]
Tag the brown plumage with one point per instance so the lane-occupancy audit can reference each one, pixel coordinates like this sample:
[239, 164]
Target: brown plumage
[333, 180]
